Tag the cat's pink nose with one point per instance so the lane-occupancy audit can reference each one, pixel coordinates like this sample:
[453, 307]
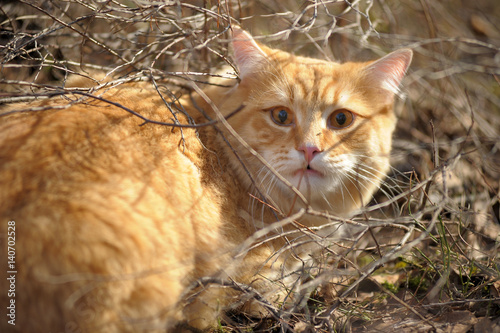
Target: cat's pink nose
[309, 152]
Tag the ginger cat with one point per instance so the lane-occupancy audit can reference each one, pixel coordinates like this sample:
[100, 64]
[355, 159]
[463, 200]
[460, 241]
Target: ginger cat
[116, 218]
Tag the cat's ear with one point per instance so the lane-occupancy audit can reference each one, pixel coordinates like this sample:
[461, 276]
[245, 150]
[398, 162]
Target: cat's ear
[388, 72]
[247, 53]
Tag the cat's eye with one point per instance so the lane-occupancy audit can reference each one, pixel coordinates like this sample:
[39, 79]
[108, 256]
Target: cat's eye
[282, 115]
[341, 118]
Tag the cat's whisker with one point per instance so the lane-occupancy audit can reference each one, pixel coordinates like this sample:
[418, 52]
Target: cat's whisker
[381, 177]
[345, 175]
[328, 202]
[370, 177]
[266, 179]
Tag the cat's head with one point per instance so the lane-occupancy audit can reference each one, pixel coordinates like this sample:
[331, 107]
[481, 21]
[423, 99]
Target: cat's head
[325, 127]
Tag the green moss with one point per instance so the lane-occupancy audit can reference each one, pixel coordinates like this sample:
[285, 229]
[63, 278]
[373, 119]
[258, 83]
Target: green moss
[418, 283]
[390, 286]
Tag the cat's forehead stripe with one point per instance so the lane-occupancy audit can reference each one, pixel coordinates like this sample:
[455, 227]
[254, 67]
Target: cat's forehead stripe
[312, 84]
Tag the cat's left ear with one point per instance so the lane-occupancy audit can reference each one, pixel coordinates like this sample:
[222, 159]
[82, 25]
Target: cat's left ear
[248, 55]
[388, 72]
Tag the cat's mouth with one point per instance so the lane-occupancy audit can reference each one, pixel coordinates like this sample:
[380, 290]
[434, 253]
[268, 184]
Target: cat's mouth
[308, 172]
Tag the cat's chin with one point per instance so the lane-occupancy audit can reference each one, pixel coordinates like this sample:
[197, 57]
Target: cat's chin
[313, 183]
[323, 192]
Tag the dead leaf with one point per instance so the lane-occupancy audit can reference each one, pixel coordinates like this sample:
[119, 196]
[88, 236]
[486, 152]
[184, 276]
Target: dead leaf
[486, 325]
[456, 321]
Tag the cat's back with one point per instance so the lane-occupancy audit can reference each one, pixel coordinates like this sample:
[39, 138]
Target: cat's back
[88, 141]
[103, 207]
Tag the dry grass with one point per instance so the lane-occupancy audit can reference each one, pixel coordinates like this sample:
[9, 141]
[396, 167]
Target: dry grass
[427, 259]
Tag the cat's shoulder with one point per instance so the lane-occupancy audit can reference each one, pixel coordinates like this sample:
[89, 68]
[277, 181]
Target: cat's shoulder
[129, 121]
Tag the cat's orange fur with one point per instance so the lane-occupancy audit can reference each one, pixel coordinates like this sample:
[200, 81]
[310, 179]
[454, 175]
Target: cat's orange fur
[115, 220]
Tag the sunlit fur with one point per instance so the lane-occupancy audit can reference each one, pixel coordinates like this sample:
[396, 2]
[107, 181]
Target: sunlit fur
[115, 218]
[352, 161]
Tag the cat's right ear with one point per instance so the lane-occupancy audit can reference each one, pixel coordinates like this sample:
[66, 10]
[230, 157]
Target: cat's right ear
[388, 72]
[247, 53]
